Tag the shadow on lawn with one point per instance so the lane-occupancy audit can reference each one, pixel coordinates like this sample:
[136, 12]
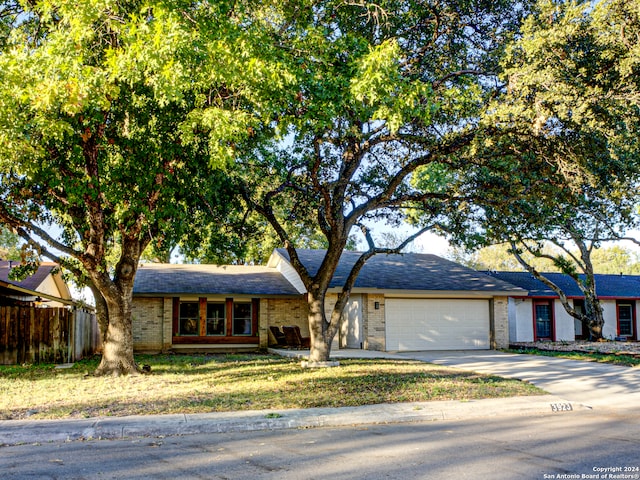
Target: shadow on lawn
[208, 383]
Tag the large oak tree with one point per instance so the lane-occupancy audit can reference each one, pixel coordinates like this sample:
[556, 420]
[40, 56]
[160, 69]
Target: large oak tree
[100, 106]
[382, 89]
[562, 165]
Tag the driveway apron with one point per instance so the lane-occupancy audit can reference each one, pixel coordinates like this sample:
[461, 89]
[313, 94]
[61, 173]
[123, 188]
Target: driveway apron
[591, 384]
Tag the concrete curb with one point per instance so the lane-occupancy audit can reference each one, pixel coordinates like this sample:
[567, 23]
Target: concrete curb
[15, 432]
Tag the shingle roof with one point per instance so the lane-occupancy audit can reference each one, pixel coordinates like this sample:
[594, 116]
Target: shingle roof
[153, 278]
[30, 283]
[613, 286]
[409, 271]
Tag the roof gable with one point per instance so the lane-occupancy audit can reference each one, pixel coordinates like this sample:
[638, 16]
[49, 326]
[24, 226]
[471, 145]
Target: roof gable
[47, 279]
[47, 282]
[32, 282]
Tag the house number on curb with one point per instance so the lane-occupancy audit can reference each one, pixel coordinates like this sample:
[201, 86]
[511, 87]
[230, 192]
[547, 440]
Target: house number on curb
[561, 407]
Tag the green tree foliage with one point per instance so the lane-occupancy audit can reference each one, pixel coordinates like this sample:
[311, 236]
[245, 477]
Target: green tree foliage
[9, 13]
[606, 260]
[562, 165]
[382, 89]
[499, 258]
[574, 83]
[100, 106]
[9, 245]
[616, 260]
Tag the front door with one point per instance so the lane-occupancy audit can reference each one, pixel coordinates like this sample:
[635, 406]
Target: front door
[543, 320]
[625, 320]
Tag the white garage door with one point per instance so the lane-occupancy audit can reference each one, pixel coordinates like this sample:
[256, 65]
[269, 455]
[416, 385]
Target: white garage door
[429, 324]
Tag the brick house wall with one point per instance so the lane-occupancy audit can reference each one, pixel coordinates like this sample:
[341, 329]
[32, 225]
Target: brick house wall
[500, 319]
[153, 323]
[153, 320]
[148, 324]
[282, 311]
[374, 325]
[167, 324]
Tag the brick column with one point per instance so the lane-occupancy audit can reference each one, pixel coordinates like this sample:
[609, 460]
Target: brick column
[263, 323]
[500, 323]
[374, 323]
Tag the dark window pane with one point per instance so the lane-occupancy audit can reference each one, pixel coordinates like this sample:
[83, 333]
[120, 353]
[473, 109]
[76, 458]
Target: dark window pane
[215, 319]
[543, 321]
[578, 306]
[189, 318]
[242, 319]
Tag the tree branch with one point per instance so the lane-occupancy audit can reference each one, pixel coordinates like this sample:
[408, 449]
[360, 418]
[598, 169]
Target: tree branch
[459, 73]
[23, 229]
[395, 182]
[373, 250]
[537, 275]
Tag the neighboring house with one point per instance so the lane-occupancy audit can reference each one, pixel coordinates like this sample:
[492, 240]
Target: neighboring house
[39, 320]
[539, 315]
[399, 302]
[45, 288]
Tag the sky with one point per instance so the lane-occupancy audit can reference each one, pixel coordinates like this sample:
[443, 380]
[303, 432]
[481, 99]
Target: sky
[431, 243]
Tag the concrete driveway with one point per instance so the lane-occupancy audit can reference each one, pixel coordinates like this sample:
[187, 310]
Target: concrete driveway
[591, 384]
[594, 385]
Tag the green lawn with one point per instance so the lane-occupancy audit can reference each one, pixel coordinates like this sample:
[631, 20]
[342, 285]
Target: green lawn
[214, 383]
[612, 358]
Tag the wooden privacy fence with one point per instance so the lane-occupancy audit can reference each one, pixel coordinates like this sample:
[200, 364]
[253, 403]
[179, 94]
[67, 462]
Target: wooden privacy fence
[46, 335]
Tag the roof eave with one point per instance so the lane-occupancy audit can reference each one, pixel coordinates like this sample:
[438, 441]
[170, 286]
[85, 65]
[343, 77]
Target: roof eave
[205, 295]
[435, 293]
[35, 293]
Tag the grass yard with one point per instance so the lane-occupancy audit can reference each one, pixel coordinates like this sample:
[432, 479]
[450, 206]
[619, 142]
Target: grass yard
[618, 358]
[215, 383]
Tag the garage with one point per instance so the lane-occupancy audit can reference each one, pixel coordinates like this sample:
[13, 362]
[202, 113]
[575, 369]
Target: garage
[437, 324]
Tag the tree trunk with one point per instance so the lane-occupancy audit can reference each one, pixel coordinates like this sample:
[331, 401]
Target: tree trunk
[117, 351]
[102, 312]
[320, 349]
[593, 308]
[594, 316]
[322, 330]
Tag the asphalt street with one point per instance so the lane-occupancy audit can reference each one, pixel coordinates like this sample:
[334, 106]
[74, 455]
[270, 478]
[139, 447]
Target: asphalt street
[542, 446]
[572, 385]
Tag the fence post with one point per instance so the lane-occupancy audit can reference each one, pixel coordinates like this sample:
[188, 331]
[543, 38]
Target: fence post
[5, 319]
[71, 355]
